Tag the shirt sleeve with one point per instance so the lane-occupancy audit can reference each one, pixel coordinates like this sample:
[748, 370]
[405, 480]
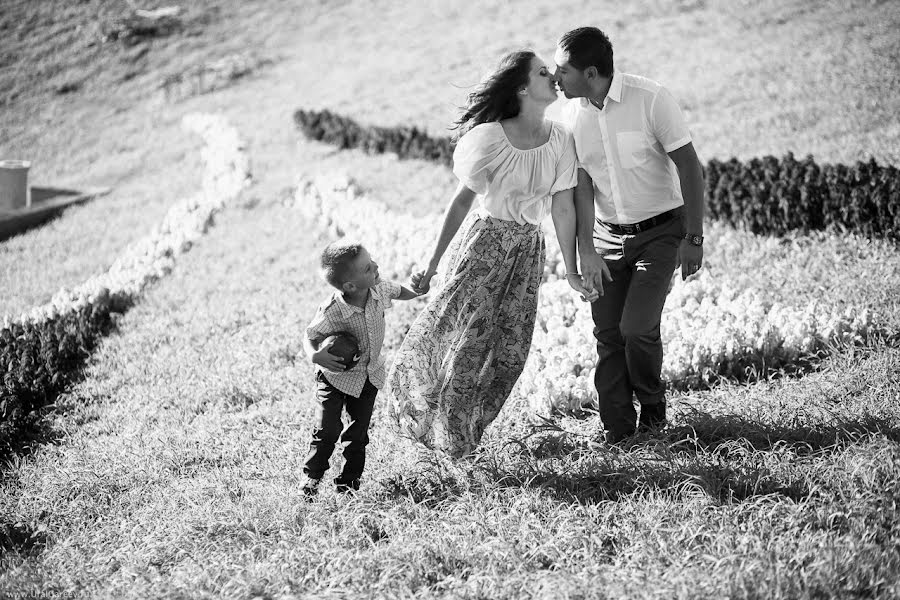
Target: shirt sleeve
[566, 166]
[320, 326]
[388, 290]
[475, 157]
[667, 122]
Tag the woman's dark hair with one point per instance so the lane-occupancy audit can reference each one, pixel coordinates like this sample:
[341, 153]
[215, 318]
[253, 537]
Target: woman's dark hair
[496, 97]
[588, 47]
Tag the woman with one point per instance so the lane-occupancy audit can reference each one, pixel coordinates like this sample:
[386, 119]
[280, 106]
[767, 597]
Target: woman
[465, 351]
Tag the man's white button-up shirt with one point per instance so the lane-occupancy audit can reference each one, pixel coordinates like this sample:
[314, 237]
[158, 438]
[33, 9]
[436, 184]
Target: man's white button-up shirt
[624, 146]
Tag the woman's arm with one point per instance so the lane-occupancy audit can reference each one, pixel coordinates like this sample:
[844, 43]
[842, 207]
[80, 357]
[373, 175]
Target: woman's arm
[453, 218]
[563, 212]
[593, 267]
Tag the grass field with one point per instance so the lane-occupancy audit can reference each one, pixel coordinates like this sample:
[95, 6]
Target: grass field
[172, 469]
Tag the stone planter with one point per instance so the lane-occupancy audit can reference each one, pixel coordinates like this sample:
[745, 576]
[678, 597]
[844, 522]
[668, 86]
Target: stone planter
[14, 185]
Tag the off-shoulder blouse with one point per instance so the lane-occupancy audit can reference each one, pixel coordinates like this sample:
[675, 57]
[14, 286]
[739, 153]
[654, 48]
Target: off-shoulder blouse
[513, 184]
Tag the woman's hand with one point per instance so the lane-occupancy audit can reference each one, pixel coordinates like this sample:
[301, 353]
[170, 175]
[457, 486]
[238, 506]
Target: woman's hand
[421, 281]
[588, 294]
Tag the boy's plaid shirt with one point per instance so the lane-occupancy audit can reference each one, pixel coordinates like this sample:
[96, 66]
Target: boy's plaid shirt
[367, 325]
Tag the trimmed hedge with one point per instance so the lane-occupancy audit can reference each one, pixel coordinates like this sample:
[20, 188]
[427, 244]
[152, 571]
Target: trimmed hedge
[38, 360]
[765, 196]
[774, 196]
[345, 133]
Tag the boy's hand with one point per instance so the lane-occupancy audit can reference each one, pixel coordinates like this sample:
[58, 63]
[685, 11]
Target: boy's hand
[421, 281]
[327, 361]
[407, 294]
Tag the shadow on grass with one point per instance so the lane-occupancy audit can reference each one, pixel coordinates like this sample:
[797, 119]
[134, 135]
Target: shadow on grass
[705, 432]
[724, 435]
[56, 355]
[607, 477]
[18, 539]
[730, 459]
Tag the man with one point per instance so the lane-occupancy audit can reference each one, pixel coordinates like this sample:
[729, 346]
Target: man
[640, 177]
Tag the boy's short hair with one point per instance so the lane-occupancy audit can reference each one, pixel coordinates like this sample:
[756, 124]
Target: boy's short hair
[588, 47]
[336, 259]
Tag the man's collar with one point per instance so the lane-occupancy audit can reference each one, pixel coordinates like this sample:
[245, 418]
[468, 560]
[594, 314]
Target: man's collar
[614, 93]
[615, 87]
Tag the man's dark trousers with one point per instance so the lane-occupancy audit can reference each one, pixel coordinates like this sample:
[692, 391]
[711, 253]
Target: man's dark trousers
[626, 325]
[355, 437]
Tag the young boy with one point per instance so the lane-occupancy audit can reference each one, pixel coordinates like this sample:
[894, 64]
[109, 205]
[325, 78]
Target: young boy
[357, 306]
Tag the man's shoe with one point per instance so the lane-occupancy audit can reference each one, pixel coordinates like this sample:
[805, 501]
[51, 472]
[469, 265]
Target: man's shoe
[310, 487]
[347, 487]
[616, 438]
[653, 417]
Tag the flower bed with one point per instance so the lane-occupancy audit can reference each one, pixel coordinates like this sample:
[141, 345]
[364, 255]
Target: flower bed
[710, 332]
[42, 350]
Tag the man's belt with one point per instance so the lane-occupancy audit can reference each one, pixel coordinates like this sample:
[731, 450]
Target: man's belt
[632, 228]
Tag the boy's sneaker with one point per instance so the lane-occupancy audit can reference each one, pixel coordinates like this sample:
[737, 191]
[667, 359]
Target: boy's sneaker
[347, 487]
[310, 486]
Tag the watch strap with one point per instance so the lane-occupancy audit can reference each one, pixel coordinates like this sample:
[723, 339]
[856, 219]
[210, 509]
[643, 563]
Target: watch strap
[693, 238]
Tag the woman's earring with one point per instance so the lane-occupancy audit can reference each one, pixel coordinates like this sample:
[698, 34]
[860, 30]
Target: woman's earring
[523, 92]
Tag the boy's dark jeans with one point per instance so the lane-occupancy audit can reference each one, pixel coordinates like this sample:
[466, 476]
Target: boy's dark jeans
[626, 325]
[327, 430]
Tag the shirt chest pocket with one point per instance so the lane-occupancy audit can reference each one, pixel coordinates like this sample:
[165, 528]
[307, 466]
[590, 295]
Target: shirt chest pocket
[633, 149]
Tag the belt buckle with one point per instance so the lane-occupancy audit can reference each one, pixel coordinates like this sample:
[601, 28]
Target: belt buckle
[632, 228]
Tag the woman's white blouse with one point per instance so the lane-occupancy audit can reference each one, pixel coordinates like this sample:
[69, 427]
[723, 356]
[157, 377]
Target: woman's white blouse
[516, 185]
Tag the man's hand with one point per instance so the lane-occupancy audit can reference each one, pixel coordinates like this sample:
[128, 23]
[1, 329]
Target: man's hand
[594, 271]
[577, 284]
[328, 361]
[690, 258]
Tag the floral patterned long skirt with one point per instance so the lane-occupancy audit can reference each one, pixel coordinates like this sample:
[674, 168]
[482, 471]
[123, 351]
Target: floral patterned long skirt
[463, 354]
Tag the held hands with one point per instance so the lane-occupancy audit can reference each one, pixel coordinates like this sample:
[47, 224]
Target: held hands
[690, 259]
[327, 360]
[577, 283]
[594, 271]
[421, 281]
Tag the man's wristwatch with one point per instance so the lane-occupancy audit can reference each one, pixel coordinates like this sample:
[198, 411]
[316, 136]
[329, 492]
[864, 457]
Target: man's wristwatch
[694, 239]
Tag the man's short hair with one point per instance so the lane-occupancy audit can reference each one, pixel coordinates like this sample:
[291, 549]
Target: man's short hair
[588, 47]
[336, 259]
